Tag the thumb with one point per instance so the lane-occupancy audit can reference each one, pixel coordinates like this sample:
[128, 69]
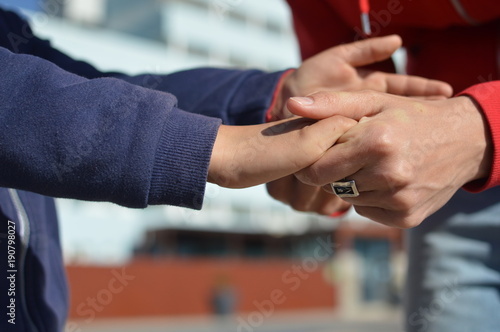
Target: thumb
[354, 105]
[369, 51]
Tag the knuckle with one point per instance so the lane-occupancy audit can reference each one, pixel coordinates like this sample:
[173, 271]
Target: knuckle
[402, 203]
[403, 213]
[383, 142]
[343, 123]
[398, 176]
[397, 214]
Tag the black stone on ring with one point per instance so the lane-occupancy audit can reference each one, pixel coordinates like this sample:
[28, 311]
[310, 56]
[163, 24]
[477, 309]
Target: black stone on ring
[345, 188]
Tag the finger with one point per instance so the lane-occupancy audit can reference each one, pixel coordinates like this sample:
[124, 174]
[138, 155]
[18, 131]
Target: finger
[338, 162]
[331, 205]
[313, 199]
[431, 98]
[328, 188]
[369, 51]
[388, 218]
[378, 199]
[398, 219]
[297, 147]
[297, 143]
[363, 186]
[365, 198]
[324, 133]
[281, 189]
[354, 105]
[304, 197]
[372, 179]
[405, 85]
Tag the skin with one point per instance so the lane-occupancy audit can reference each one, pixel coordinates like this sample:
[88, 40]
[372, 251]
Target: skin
[340, 69]
[407, 156]
[245, 156]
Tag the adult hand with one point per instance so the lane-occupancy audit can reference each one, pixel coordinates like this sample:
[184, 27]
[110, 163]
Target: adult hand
[245, 156]
[407, 156]
[340, 68]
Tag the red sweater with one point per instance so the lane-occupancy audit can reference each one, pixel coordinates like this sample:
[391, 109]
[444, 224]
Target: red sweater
[457, 41]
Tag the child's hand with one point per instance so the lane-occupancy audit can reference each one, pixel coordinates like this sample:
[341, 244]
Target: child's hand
[244, 156]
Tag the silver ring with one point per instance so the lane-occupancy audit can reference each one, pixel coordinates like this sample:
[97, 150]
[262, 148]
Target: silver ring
[345, 188]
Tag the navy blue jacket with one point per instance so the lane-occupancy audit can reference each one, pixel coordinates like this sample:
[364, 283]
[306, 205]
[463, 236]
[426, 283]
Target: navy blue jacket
[69, 130]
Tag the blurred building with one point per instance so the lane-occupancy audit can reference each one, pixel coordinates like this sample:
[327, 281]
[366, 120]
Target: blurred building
[256, 244]
[227, 32]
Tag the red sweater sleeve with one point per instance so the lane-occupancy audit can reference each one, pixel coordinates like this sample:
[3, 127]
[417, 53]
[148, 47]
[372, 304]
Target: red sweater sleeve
[487, 95]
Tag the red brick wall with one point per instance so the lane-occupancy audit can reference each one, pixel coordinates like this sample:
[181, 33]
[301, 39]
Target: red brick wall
[183, 287]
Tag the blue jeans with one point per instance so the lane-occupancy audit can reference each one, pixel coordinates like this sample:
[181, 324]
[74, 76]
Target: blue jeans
[453, 281]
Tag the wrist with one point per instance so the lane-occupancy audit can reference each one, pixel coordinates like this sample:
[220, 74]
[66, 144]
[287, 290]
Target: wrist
[220, 153]
[480, 142]
[284, 90]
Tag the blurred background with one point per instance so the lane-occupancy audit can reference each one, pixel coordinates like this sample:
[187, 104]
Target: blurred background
[243, 263]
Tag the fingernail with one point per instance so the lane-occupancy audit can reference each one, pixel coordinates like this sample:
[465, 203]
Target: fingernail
[303, 100]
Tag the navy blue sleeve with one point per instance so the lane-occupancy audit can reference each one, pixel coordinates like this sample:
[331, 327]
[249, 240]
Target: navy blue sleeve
[73, 131]
[103, 139]
[237, 97]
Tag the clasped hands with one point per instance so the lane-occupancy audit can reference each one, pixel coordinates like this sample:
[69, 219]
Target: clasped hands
[408, 156]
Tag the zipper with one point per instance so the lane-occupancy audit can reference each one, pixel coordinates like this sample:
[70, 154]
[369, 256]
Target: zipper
[364, 7]
[24, 234]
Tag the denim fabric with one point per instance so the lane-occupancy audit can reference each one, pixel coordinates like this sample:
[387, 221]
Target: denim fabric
[454, 267]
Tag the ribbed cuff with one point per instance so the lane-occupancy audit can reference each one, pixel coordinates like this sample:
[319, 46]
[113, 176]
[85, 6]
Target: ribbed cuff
[487, 95]
[182, 159]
